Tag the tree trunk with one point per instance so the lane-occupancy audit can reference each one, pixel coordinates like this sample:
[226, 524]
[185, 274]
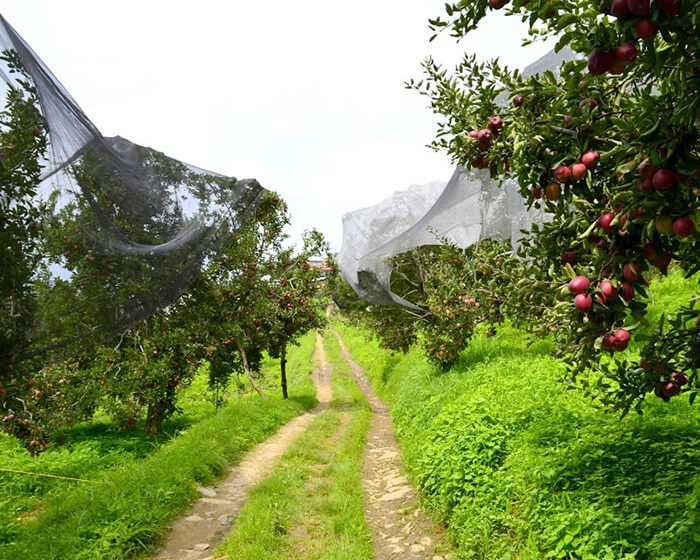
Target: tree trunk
[248, 373]
[154, 417]
[283, 369]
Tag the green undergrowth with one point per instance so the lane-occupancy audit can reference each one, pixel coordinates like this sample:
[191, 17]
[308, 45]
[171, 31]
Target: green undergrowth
[310, 506]
[140, 483]
[521, 467]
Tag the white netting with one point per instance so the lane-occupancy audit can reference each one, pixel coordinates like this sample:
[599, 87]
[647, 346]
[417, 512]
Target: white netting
[469, 208]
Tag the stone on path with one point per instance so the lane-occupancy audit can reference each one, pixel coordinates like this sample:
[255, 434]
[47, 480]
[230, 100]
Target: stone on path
[206, 491]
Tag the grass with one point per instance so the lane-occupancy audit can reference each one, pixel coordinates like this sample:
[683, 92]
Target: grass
[311, 506]
[88, 450]
[141, 484]
[521, 467]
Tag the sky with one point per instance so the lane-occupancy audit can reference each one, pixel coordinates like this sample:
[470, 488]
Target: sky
[308, 97]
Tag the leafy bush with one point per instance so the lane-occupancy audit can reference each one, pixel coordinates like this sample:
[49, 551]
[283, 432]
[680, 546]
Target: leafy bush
[521, 467]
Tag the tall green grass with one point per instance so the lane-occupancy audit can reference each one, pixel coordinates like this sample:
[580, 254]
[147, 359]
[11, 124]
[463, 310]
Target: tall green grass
[520, 466]
[135, 496]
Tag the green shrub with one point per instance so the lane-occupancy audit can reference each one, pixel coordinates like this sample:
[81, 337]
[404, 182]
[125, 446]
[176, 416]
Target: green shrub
[520, 466]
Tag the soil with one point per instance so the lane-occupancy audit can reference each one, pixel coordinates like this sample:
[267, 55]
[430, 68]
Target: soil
[399, 528]
[209, 519]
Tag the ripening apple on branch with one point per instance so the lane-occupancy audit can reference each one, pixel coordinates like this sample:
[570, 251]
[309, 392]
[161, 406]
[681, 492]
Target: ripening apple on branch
[609, 146]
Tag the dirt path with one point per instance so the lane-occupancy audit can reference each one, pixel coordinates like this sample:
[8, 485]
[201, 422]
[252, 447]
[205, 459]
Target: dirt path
[399, 528]
[194, 536]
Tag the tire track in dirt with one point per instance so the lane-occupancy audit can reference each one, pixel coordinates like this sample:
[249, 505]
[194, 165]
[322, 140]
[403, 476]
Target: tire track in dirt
[399, 528]
[195, 535]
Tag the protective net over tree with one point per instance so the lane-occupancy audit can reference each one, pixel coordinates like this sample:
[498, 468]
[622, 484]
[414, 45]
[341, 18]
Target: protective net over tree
[469, 208]
[124, 229]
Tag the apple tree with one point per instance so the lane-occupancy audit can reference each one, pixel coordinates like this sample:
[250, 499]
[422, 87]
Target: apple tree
[296, 294]
[454, 290]
[608, 144]
[234, 297]
[23, 143]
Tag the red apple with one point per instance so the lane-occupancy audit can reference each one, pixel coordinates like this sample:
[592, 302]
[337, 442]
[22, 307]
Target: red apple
[679, 377]
[480, 163]
[663, 179]
[495, 123]
[600, 61]
[518, 100]
[622, 222]
[537, 192]
[682, 227]
[605, 222]
[474, 134]
[662, 261]
[622, 338]
[646, 29]
[590, 159]
[498, 4]
[608, 290]
[609, 342]
[562, 173]
[484, 137]
[631, 271]
[619, 8]
[670, 389]
[578, 171]
[658, 386]
[626, 53]
[671, 7]
[627, 291]
[568, 257]
[578, 285]
[617, 68]
[567, 118]
[647, 170]
[638, 7]
[649, 251]
[587, 102]
[645, 186]
[583, 302]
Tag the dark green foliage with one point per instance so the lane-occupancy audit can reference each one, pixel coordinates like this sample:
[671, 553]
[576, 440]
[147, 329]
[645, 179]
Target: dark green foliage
[618, 130]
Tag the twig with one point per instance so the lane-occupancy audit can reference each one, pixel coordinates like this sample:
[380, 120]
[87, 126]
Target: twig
[51, 476]
[574, 134]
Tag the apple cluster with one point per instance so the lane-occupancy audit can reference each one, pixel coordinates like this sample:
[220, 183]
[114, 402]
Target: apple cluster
[652, 178]
[484, 138]
[563, 173]
[668, 385]
[602, 61]
[607, 293]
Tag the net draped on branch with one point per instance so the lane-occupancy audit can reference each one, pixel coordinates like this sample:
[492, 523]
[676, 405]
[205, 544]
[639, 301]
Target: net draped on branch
[129, 229]
[469, 208]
